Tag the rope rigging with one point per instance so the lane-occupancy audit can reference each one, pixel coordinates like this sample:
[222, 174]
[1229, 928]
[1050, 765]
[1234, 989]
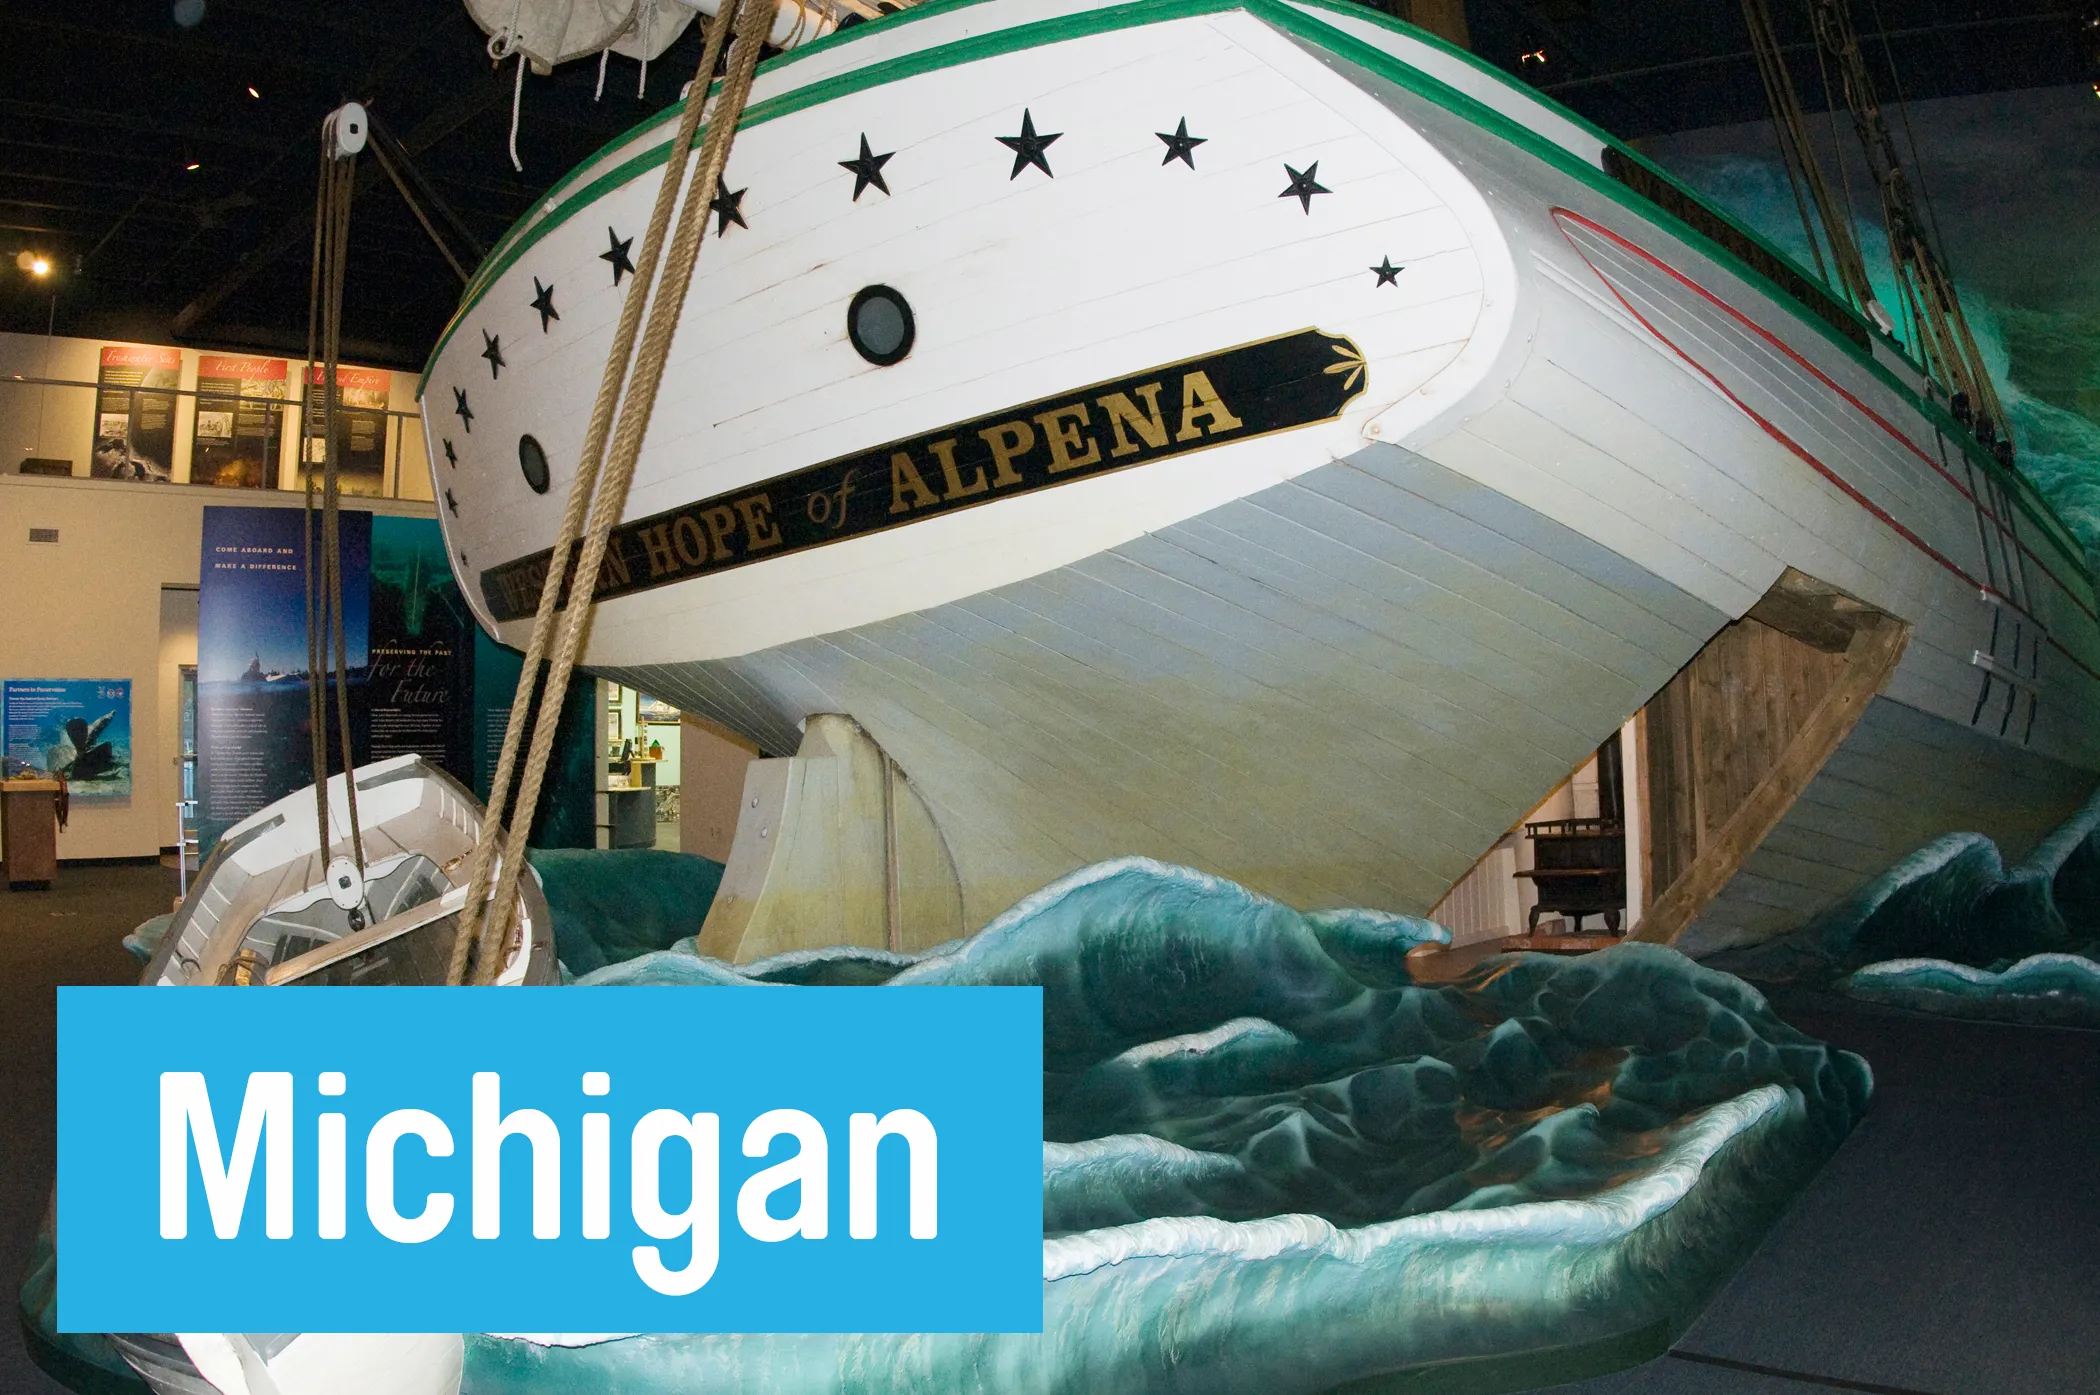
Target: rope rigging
[604, 471]
[1931, 309]
[342, 136]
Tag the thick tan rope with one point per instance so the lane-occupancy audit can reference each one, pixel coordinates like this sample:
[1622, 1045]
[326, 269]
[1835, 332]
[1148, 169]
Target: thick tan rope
[316, 695]
[754, 20]
[324, 591]
[331, 537]
[481, 927]
[577, 509]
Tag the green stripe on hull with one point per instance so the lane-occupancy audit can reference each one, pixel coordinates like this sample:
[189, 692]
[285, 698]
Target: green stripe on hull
[1296, 23]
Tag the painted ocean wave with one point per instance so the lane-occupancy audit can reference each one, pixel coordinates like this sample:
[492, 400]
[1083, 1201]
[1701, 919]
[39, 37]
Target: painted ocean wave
[2043, 990]
[1258, 1127]
[1949, 929]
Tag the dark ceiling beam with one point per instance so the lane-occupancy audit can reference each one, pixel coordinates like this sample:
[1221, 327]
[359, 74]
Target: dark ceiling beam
[87, 152]
[433, 128]
[1535, 20]
[135, 125]
[1866, 42]
[340, 19]
[326, 64]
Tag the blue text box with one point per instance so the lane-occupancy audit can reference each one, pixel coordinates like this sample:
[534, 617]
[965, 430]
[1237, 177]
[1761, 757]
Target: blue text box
[927, 1103]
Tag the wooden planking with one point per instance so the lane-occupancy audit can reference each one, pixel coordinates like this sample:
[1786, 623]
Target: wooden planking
[1902, 779]
[1206, 698]
[1717, 729]
[1695, 869]
[763, 323]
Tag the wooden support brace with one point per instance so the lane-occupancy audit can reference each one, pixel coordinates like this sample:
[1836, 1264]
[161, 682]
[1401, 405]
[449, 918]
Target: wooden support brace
[1876, 645]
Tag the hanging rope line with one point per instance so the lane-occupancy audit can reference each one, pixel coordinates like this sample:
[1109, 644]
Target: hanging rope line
[1931, 311]
[598, 495]
[322, 424]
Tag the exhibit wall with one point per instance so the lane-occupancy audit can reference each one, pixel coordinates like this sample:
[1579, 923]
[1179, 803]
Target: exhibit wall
[94, 407]
[89, 605]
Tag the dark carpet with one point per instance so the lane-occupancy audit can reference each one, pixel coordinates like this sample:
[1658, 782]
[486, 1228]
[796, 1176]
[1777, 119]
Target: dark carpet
[1951, 1247]
[68, 934]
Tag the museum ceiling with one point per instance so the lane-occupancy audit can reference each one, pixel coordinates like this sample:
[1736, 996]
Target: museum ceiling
[167, 169]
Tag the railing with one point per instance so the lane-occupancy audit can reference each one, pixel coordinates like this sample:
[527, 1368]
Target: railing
[402, 455]
[185, 844]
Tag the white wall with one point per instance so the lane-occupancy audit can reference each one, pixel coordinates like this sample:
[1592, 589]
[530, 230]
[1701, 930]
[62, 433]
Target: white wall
[59, 422]
[91, 606]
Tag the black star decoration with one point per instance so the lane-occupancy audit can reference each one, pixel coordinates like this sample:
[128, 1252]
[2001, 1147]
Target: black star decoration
[451, 455]
[728, 207]
[867, 169]
[1387, 273]
[543, 301]
[617, 255]
[452, 503]
[1028, 147]
[1181, 145]
[492, 350]
[466, 413]
[1304, 186]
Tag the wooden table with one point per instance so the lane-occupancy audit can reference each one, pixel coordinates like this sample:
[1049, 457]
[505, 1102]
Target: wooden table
[29, 830]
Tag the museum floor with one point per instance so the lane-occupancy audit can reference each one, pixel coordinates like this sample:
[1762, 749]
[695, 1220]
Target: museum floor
[1948, 1249]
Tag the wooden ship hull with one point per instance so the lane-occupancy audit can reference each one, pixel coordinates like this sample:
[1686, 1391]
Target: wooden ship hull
[1303, 504]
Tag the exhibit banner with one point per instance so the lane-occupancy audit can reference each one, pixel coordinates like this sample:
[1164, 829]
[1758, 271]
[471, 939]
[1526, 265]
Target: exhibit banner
[134, 424]
[421, 648]
[660, 1159]
[240, 421]
[361, 428]
[78, 728]
[254, 734]
[424, 680]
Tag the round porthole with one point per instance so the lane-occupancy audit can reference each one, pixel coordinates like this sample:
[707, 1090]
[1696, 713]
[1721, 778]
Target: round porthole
[880, 325]
[532, 460]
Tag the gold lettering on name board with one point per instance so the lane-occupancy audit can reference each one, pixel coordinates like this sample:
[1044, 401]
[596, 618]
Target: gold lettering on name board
[1150, 426]
[1062, 434]
[958, 488]
[759, 530]
[721, 522]
[656, 544]
[1276, 384]
[1200, 400]
[1009, 440]
[692, 548]
[905, 480]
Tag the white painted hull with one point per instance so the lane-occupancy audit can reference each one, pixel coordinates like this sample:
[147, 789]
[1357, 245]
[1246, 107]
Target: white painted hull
[1336, 662]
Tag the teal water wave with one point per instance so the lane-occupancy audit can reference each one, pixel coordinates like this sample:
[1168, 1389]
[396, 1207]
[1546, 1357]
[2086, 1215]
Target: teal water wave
[1950, 929]
[1273, 1162]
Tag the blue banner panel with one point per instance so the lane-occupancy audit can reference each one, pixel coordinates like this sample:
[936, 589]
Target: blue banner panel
[76, 727]
[550, 1160]
[254, 729]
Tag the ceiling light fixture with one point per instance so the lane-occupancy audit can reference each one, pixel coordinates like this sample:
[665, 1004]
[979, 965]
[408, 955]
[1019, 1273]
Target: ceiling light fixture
[255, 94]
[194, 165]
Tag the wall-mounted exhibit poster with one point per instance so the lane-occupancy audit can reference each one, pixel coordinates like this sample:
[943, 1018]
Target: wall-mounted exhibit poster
[567, 816]
[421, 660]
[423, 679]
[361, 428]
[79, 728]
[135, 425]
[254, 737]
[240, 421]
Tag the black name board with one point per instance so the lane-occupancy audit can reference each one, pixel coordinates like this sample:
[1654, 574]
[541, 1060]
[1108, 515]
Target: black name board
[1235, 395]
